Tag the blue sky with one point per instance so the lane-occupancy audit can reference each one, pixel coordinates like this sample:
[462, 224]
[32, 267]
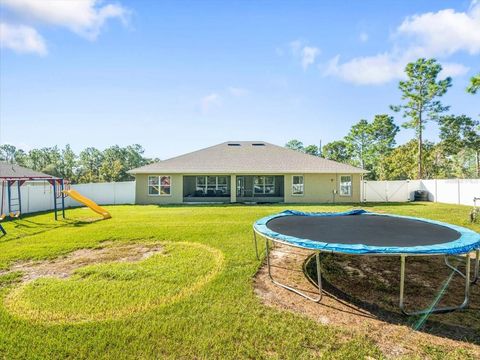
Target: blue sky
[176, 76]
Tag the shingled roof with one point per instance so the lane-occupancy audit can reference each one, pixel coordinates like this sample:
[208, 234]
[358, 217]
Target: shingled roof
[8, 170]
[246, 157]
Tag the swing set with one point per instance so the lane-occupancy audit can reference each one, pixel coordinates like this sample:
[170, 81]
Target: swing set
[11, 194]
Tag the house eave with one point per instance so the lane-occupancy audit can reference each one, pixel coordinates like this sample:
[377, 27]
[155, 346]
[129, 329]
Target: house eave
[250, 172]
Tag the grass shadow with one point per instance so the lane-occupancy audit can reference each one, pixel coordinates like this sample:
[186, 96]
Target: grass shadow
[371, 283]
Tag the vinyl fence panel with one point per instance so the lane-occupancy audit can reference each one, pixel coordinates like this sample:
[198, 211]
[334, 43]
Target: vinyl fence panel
[449, 191]
[37, 196]
[386, 191]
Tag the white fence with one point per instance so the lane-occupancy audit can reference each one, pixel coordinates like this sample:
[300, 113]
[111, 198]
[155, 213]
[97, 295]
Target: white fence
[39, 197]
[450, 191]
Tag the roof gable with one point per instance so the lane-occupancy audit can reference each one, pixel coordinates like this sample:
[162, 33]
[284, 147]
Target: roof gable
[247, 157]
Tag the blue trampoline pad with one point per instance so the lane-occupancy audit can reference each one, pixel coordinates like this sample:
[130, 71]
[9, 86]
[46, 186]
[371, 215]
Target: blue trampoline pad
[362, 232]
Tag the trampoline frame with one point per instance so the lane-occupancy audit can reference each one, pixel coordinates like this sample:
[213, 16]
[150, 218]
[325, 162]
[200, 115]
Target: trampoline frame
[467, 276]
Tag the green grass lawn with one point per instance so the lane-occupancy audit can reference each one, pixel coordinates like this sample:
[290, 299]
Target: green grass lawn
[193, 300]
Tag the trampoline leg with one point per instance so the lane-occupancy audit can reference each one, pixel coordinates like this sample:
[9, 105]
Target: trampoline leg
[296, 291]
[477, 267]
[475, 272]
[256, 244]
[434, 309]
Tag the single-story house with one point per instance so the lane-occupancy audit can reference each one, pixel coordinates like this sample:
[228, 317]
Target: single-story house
[247, 171]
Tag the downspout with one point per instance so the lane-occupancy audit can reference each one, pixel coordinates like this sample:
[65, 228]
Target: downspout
[335, 187]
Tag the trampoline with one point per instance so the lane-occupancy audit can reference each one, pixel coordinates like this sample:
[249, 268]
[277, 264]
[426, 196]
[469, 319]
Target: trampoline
[359, 232]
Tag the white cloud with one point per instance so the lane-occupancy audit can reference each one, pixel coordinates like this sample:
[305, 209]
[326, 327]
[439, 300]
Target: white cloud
[22, 39]
[309, 54]
[363, 37]
[306, 54]
[444, 32]
[237, 92]
[84, 17]
[453, 69]
[439, 34]
[370, 70]
[207, 102]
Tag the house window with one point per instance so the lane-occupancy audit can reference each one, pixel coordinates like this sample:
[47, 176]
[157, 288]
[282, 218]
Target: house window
[159, 185]
[201, 184]
[153, 183]
[165, 185]
[345, 185]
[264, 184]
[297, 185]
[213, 185]
[222, 183]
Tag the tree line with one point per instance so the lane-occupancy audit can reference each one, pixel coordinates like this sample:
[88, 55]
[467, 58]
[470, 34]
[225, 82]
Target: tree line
[371, 145]
[90, 165]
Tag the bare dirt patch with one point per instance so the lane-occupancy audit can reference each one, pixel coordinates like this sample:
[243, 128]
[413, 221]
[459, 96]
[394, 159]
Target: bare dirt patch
[362, 299]
[63, 267]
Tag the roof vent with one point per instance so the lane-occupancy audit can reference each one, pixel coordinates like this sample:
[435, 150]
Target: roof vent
[233, 144]
[258, 144]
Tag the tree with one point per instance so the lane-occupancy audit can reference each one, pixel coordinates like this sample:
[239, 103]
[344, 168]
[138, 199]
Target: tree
[312, 150]
[20, 157]
[474, 85]
[421, 91]
[51, 160]
[400, 163]
[68, 164]
[7, 153]
[110, 171]
[368, 143]
[35, 159]
[92, 165]
[90, 162]
[384, 131]
[359, 142]
[134, 157]
[295, 145]
[337, 151]
[461, 134]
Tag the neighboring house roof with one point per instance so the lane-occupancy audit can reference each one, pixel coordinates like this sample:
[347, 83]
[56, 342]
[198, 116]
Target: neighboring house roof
[246, 157]
[8, 170]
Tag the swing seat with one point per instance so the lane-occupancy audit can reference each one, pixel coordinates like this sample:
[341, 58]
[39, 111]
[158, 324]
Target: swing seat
[2, 217]
[15, 215]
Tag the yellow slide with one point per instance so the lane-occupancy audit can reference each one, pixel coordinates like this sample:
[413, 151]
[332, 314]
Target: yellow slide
[75, 195]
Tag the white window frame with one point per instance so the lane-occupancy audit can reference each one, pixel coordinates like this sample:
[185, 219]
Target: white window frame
[264, 185]
[153, 186]
[303, 185]
[159, 177]
[340, 185]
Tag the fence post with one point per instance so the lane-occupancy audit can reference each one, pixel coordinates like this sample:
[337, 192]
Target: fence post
[408, 190]
[364, 190]
[458, 191]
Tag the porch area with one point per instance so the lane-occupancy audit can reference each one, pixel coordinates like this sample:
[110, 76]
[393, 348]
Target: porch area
[234, 188]
[260, 188]
[208, 189]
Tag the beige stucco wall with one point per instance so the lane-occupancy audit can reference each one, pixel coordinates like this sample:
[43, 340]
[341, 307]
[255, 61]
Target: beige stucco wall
[141, 191]
[319, 188]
